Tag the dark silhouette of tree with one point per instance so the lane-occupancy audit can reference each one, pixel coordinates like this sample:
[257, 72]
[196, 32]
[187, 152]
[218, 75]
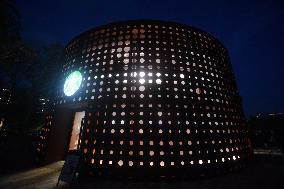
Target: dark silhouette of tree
[29, 73]
[10, 25]
[267, 131]
[45, 73]
[15, 55]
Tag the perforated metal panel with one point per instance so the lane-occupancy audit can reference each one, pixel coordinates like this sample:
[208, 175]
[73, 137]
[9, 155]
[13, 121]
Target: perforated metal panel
[162, 100]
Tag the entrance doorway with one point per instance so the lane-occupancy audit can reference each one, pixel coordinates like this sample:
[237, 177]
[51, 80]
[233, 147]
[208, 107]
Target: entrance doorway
[65, 132]
[74, 139]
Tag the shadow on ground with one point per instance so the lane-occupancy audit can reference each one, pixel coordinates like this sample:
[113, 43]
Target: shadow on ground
[265, 172]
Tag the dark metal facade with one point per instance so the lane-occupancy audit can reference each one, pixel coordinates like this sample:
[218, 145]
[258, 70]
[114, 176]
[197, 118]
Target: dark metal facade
[161, 101]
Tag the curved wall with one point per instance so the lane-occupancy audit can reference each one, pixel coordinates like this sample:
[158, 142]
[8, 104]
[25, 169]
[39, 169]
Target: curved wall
[162, 100]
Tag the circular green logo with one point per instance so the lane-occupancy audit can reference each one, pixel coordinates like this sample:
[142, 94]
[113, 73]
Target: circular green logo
[72, 83]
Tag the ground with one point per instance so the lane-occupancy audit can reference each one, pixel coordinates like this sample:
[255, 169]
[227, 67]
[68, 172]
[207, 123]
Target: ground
[265, 172]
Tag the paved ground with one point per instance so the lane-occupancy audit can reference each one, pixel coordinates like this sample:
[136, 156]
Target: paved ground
[263, 173]
[43, 177]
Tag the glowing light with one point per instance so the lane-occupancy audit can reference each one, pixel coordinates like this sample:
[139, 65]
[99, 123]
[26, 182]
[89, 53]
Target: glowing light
[1, 123]
[158, 81]
[141, 81]
[120, 162]
[72, 83]
[142, 74]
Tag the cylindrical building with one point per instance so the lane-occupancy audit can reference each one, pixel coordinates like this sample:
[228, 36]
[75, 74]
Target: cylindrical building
[147, 98]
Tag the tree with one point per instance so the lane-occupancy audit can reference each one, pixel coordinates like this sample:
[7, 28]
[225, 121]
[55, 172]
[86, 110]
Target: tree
[10, 25]
[15, 55]
[46, 71]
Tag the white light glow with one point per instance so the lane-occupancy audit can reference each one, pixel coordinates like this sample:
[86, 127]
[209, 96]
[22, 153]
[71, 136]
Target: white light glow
[141, 81]
[72, 83]
[158, 81]
[142, 74]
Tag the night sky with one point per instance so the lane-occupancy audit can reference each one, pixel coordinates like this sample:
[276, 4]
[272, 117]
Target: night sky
[252, 31]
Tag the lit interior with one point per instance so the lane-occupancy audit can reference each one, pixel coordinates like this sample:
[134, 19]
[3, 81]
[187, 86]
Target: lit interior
[73, 145]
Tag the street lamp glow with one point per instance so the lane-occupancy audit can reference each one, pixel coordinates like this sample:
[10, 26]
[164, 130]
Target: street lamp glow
[72, 83]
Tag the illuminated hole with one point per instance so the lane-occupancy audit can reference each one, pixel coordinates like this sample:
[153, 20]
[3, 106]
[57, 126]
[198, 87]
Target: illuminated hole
[200, 162]
[120, 162]
[141, 81]
[158, 81]
[162, 164]
[142, 74]
[130, 163]
[151, 153]
[198, 91]
[126, 49]
[141, 88]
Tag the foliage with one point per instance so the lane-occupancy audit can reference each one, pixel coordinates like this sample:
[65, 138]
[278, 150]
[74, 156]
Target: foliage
[29, 71]
[267, 131]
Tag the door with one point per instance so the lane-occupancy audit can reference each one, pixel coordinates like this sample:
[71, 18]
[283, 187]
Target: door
[74, 138]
